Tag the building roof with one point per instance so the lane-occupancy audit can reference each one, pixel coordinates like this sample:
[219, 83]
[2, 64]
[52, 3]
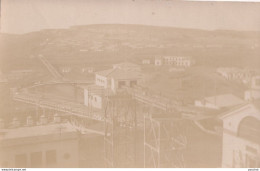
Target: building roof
[94, 89]
[224, 100]
[255, 104]
[36, 134]
[120, 74]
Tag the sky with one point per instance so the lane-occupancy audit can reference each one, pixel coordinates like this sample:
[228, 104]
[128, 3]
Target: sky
[23, 16]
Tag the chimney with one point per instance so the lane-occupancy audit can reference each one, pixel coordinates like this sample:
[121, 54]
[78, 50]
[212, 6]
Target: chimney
[29, 121]
[57, 118]
[43, 120]
[2, 123]
[16, 122]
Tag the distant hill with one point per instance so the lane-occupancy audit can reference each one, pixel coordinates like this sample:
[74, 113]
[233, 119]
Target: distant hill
[97, 44]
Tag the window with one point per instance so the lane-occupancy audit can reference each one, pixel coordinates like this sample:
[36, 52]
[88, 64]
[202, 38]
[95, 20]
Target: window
[51, 158]
[21, 161]
[251, 162]
[121, 84]
[66, 156]
[36, 159]
[257, 82]
[133, 83]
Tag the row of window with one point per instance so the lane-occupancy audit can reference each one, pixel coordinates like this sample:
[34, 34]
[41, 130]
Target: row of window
[179, 63]
[100, 80]
[36, 159]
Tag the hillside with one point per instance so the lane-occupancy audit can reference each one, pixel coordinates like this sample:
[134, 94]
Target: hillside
[104, 44]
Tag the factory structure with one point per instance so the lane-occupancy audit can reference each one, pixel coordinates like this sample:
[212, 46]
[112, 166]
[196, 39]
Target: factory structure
[42, 144]
[241, 141]
[130, 121]
[110, 82]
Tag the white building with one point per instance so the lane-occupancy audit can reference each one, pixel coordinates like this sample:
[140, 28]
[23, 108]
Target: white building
[180, 61]
[109, 82]
[65, 69]
[254, 92]
[146, 61]
[242, 75]
[54, 145]
[94, 96]
[219, 101]
[241, 140]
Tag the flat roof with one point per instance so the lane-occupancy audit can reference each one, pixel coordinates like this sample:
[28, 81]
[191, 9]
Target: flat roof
[224, 100]
[39, 130]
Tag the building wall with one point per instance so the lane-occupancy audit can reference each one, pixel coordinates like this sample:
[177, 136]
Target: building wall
[252, 95]
[101, 81]
[67, 154]
[158, 62]
[256, 82]
[96, 101]
[92, 100]
[146, 61]
[235, 150]
[115, 84]
[238, 152]
[86, 98]
[179, 61]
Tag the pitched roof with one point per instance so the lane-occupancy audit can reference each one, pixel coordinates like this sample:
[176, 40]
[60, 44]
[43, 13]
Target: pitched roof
[224, 100]
[105, 73]
[235, 108]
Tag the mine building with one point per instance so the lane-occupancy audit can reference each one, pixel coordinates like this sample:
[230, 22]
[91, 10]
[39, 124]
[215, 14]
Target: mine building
[241, 140]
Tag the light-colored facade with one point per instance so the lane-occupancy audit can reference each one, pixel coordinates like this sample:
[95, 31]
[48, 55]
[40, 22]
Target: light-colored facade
[180, 61]
[255, 83]
[241, 140]
[254, 92]
[94, 96]
[146, 61]
[242, 75]
[65, 69]
[54, 145]
[158, 61]
[111, 81]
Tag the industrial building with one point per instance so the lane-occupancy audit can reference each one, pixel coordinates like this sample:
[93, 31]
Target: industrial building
[237, 74]
[108, 82]
[241, 140]
[46, 145]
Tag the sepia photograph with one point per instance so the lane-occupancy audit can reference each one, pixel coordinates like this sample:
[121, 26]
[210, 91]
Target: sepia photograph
[129, 84]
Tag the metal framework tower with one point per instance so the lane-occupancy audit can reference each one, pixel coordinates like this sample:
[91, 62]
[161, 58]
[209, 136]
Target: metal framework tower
[120, 131]
[164, 142]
